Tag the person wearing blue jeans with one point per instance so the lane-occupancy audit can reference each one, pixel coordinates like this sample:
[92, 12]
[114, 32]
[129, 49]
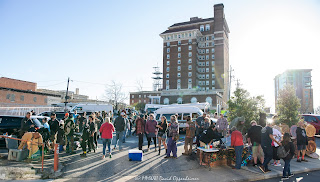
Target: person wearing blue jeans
[124, 136]
[105, 142]
[118, 135]
[268, 154]
[237, 143]
[238, 151]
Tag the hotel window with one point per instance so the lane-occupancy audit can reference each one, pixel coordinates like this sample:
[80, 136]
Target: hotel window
[179, 55]
[189, 80]
[190, 74]
[175, 36]
[139, 101]
[167, 82]
[178, 81]
[178, 86]
[189, 67]
[207, 88]
[207, 82]
[179, 42]
[207, 70]
[168, 50]
[132, 101]
[179, 36]
[190, 60]
[178, 74]
[189, 86]
[207, 76]
[144, 96]
[207, 57]
[168, 62]
[201, 28]
[190, 54]
[207, 44]
[168, 43]
[212, 43]
[144, 101]
[212, 56]
[207, 63]
[212, 69]
[190, 41]
[182, 35]
[168, 69]
[179, 68]
[167, 76]
[190, 47]
[179, 61]
[179, 49]
[212, 50]
[212, 62]
[207, 51]
[213, 76]
[168, 56]
[132, 96]
[213, 88]
[207, 38]
[207, 27]
[212, 37]
[213, 82]
[139, 96]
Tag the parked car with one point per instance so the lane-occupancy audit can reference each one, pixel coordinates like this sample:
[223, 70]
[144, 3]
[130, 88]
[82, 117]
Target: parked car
[11, 125]
[314, 120]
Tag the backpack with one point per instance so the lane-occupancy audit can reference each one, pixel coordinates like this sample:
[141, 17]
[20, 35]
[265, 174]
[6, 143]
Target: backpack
[281, 152]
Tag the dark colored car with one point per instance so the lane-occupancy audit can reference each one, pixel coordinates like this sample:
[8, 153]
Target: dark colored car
[12, 124]
[314, 120]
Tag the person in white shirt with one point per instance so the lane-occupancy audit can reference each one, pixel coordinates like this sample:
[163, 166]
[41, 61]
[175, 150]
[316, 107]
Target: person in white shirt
[278, 136]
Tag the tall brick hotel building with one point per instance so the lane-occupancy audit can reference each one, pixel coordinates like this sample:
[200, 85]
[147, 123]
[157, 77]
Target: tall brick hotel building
[195, 61]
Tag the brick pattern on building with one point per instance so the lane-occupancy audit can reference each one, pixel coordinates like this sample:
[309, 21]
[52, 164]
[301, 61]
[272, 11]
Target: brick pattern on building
[17, 84]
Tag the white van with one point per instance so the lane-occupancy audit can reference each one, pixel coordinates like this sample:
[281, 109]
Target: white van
[89, 108]
[182, 111]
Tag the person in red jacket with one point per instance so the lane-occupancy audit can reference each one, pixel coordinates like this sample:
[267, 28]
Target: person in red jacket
[237, 143]
[106, 131]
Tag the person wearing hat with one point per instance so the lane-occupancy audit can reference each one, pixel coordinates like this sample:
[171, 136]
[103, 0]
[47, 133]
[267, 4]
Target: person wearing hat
[237, 143]
[302, 141]
[120, 126]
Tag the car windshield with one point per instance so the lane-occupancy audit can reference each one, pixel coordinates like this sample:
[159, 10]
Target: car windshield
[37, 122]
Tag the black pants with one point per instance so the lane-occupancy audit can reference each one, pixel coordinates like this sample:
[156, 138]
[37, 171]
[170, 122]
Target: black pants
[91, 143]
[95, 139]
[84, 143]
[154, 140]
[140, 140]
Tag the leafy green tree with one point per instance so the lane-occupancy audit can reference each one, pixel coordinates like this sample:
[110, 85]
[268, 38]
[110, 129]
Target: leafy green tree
[139, 106]
[245, 106]
[288, 105]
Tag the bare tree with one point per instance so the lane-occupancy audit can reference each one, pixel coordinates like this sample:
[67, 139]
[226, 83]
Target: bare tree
[114, 94]
[317, 110]
[139, 84]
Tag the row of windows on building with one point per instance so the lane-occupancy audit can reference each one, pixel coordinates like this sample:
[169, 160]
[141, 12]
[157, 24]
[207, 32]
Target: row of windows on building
[192, 100]
[206, 38]
[179, 55]
[205, 57]
[180, 35]
[144, 101]
[206, 44]
[179, 68]
[144, 96]
[206, 76]
[179, 42]
[205, 70]
[207, 63]
[12, 98]
[200, 83]
[207, 51]
[204, 27]
[179, 75]
[179, 49]
[179, 61]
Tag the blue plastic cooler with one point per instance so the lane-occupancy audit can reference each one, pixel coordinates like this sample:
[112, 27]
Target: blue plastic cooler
[135, 155]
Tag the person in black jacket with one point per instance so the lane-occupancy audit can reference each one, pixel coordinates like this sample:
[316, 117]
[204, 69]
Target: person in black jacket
[26, 124]
[120, 125]
[288, 146]
[54, 126]
[302, 141]
[85, 137]
[92, 124]
[162, 133]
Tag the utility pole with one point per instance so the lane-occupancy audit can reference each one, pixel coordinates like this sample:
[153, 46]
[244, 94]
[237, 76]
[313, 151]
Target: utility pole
[238, 83]
[230, 80]
[65, 103]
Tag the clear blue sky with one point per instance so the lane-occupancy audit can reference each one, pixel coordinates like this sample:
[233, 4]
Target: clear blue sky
[98, 41]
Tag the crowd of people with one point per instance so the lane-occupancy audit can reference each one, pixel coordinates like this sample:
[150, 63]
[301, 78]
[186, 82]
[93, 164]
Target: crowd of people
[265, 141]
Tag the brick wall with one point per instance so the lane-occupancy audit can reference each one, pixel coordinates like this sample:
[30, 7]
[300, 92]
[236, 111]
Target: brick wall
[7, 96]
[17, 84]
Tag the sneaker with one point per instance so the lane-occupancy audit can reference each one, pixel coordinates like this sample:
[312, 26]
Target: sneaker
[304, 160]
[290, 175]
[262, 169]
[103, 157]
[284, 178]
[268, 170]
[298, 160]
[185, 153]
[110, 156]
[254, 165]
[166, 157]
[277, 164]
